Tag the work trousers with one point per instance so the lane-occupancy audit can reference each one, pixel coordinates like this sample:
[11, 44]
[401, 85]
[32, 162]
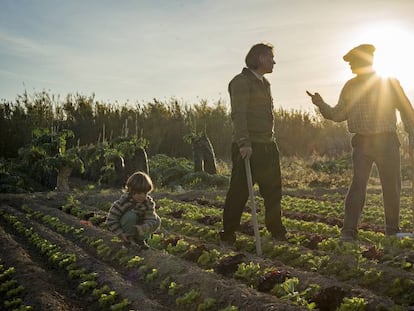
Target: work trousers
[265, 168]
[383, 150]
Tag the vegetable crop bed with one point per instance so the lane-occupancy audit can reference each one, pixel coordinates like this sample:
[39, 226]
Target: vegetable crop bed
[56, 254]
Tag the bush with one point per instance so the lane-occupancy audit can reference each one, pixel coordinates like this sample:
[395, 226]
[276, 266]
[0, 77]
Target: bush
[330, 166]
[171, 172]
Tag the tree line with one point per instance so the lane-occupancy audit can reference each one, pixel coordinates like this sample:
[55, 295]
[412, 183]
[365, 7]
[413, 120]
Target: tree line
[166, 126]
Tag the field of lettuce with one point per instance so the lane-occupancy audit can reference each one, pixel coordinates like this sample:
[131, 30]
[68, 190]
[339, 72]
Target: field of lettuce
[56, 254]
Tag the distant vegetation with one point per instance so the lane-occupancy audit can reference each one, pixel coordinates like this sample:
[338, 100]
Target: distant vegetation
[163, 125]
[44, 139]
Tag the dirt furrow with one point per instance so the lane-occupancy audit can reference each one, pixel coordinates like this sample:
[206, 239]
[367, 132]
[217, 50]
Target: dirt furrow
[226, 291]
[44, 289]
[106, 274]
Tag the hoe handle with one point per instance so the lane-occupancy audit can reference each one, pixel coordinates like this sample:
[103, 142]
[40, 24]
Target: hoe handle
[253, 206]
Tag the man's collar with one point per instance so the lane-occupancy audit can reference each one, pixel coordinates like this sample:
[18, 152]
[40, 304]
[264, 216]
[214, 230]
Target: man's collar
[253, 76]
[258, 76]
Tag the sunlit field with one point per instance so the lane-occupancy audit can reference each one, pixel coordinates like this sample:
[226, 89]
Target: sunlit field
[55, 223]
[64, 236]
[93, 91]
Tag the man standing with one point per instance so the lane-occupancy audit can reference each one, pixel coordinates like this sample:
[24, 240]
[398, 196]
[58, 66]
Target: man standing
[368, 103]
[252, 117]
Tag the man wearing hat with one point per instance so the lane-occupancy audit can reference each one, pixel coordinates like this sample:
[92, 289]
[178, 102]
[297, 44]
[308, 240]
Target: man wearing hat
[368, 103]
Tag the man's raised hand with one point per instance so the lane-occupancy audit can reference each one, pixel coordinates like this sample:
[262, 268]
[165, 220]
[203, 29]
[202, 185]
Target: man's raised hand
[316, 98]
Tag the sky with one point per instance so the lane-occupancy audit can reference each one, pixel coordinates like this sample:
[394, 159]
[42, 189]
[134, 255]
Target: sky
[133, 51]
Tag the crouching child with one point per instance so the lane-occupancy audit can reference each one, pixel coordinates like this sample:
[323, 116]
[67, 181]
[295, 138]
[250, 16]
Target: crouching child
[133, 217]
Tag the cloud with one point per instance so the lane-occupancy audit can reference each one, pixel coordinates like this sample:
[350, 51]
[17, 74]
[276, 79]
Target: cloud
[11, 43]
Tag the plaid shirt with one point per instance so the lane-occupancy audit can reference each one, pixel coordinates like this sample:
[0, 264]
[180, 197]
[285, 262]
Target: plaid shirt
[368, 103]
[251, 109]
[145, 212]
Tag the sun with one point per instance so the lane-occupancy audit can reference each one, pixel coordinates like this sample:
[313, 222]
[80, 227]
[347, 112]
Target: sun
[394, 50]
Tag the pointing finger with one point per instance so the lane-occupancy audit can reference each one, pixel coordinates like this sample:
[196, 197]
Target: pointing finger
[309, 93]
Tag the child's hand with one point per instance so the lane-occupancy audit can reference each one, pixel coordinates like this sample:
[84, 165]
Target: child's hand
[142, 229]
[125, 237]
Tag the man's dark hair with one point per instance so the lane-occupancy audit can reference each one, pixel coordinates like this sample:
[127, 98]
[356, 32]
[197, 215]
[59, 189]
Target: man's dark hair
[252, 57]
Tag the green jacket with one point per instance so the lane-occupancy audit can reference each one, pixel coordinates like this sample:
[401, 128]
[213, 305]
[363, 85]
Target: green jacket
[251, 109]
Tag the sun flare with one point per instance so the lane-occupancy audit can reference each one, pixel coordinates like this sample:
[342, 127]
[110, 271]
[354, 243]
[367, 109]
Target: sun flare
[394, 50]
